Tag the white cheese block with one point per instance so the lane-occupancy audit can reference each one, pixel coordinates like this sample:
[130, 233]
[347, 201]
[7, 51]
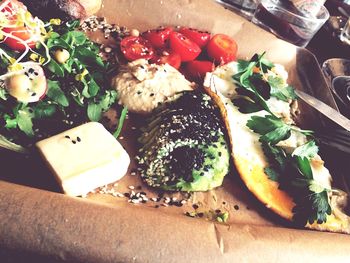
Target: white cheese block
[84, 158]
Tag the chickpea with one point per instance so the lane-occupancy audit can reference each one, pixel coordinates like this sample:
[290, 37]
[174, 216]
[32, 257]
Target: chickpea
[135, 33]
[61, 55]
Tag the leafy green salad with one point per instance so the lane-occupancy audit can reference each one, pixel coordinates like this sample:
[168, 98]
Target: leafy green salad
[51, 75]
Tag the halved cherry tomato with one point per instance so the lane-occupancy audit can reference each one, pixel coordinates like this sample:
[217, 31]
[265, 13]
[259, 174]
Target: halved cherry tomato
[199, 37]
[136, 47]
[196, 69]
[186, 48]
[22, 33]
[222, 49]
[171, 58]
[158, 37]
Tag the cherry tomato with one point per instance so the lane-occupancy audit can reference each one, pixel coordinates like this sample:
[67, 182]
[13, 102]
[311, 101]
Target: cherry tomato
[198, 37]
[222, 49]
[186, 48]
[136, 47]
[196, 69]
[22, 33]
[158, 37]
[171, 58]
[12, 8]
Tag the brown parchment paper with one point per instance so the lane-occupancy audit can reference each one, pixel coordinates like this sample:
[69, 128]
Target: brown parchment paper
[51, 227]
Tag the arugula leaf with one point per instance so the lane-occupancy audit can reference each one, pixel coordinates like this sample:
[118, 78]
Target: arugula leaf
[55, 93]
[108, 99]
[55, 68]
[58, 43]
[24, 121]
[88, 57]
[11, 123]
[3, 93]
[44, 110]
[94, 112]
[78, 37]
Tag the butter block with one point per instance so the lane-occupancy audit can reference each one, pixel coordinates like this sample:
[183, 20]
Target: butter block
[84, 158]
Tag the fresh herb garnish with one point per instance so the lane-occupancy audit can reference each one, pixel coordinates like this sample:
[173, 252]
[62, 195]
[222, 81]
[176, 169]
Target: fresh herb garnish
[293, 170]
[279, 90]
[255, 89]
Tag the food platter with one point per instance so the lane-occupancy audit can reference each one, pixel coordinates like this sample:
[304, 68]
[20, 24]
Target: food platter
[107, 229]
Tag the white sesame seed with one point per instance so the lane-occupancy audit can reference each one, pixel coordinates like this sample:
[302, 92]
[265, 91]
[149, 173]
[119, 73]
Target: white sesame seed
[134, 32]
[131, 187]
[108, 50]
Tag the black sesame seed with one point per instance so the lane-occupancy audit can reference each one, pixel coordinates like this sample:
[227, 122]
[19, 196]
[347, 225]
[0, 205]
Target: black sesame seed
[236, 207]
[200, 214]
[78, 139]
[195, 206]
[67, 137]
[218, 211]
[156, 206]
[74, 142]
[127, 195]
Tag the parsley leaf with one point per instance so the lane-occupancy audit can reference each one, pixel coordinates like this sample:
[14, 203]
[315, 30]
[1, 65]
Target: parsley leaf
[246, 105]
[272, 174]
[308, 150]
[279, 90]
[272, 129]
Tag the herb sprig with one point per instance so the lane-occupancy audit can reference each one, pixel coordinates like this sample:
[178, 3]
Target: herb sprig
[293, 170]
